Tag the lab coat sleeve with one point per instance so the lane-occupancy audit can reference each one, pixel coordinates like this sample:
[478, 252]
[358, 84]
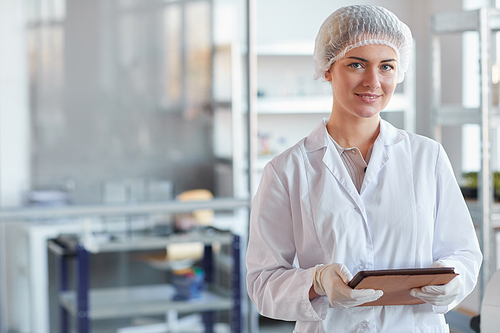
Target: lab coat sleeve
[455, 240]
[277, 288]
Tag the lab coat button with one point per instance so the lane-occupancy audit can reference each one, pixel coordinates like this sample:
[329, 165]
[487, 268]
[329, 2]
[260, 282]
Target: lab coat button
[363, 325]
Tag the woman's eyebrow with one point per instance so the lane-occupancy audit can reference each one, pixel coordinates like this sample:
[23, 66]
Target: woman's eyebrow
[365, 60]
[358, 58]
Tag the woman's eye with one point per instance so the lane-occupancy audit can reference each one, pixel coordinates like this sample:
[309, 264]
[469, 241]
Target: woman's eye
[387, 67]
[356, 65]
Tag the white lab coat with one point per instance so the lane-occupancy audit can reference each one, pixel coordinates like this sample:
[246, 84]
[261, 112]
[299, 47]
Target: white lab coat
[307, 211]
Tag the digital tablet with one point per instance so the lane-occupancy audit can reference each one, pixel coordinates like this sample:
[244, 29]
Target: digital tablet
[397, 283]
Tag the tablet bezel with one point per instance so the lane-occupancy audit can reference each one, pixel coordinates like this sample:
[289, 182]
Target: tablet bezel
[404, 271]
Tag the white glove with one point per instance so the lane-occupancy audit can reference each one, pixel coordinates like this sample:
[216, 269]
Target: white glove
[331, 280]
[440, 295]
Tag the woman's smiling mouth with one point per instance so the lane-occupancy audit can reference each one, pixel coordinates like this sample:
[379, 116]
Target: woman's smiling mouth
[368, 98]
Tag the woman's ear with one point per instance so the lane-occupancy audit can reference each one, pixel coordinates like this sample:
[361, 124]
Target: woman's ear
[328, 75]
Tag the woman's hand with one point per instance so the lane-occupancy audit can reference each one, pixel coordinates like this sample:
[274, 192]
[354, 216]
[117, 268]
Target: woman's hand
[331, 280]
[440, 295]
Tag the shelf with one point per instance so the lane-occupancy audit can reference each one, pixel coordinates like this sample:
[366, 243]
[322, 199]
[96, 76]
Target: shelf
[87, 304]
[146, 208]
[475, 212]
[455, 115]
[139, 243]
[451, 22]
[286, 105]
[462, 21]
[315, 104]
[143, 300]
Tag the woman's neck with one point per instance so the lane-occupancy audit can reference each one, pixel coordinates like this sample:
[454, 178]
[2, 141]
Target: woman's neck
[360, 133]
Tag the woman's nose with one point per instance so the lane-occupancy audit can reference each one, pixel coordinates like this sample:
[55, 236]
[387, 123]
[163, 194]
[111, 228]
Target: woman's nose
[371, 79]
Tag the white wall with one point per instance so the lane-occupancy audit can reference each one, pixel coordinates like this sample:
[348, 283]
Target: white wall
[292, 20]
[14, 132]
[14, 100]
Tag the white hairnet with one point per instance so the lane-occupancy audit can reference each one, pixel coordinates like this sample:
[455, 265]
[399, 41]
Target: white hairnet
[358, 25]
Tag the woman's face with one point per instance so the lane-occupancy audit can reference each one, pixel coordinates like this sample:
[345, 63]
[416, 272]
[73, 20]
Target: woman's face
[363, 81]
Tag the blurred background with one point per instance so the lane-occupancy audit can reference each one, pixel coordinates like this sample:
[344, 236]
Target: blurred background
[146, 122]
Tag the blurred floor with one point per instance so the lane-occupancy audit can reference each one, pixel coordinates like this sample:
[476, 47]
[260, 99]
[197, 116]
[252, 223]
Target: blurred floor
[267, 325]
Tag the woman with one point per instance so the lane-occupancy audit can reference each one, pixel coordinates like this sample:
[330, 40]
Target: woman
[358, 194]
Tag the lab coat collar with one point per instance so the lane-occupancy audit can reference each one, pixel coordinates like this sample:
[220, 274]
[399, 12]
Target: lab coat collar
[389, 135]
[319, 138]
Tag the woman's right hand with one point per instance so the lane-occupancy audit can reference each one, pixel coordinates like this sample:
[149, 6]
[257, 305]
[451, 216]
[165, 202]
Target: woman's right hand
[331, 280]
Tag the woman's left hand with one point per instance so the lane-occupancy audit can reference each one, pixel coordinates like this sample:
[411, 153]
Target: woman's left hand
[440, 295]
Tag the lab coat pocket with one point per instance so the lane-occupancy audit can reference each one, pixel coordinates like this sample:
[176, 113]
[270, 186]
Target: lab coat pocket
[434, 329]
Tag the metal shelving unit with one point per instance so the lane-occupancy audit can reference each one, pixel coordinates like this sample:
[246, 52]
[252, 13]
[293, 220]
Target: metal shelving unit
[486, 22]
[142, 300]
[86, 304]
